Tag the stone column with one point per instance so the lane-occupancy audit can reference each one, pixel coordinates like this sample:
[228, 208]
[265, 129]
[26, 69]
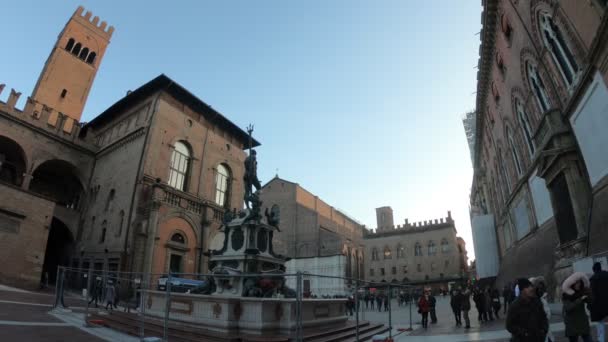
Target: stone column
[27, 179]
[151, 231]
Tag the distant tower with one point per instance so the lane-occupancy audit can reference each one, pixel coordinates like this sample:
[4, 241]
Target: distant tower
[384, 217]
[68, 73]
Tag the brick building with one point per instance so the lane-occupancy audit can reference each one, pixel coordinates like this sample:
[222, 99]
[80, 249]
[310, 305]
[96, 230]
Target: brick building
[142, 187]
[426, 252]
[312, 228]
[539, 189]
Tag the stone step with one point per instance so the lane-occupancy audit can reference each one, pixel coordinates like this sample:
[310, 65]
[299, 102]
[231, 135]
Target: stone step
[328, 331]
[368, 335]
[366, 331]
[131, 323]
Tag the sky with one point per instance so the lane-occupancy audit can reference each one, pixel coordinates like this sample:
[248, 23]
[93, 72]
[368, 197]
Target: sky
[360, 102]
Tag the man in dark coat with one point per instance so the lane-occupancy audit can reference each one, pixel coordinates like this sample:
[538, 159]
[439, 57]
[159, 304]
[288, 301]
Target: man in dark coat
[465, 306]
[456, 303]
[526, 320]
[599, 304]
[432, 304]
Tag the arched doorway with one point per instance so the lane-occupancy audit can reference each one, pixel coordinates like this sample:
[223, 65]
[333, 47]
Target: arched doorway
[12, 162]
[59, 247]
[57, 179]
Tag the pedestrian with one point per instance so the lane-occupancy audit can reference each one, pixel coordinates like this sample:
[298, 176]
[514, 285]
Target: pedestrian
[96, 292]
[350, 304]
[541, 293]
[116, 295]
[526, 319]
[487, 304]
[575, 294]
[379, 302]
[386, 303]
[465, 306]
[432, 304]
[424, 308]
[495, 297]
[479, 304]
[599, 304]
[366, 301]
[110, 295]
[506, 295]
[456, 303]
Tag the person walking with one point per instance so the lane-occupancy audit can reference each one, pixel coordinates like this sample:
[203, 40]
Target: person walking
[110, 291]
[575, 294]
[432, 304]
[96, 293]
[599, 303]
[372, 299]
[479, 304]
[526, 319]
[465, 306]
[386, 303]
[366, 301]
[424, 308]
[487, 305]
[506, 295]
[541, 293]
[379, 302]
[495, 298]
[456, 303]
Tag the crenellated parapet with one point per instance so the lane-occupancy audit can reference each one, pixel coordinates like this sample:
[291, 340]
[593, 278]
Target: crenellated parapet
[414, 227]
[43, 117]
[94, 24]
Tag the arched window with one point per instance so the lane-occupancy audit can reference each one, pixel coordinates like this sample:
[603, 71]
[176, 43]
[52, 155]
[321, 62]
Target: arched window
[91, 58]
[374, 253]
[179, 238]
[514, 153]
[538, 87]
[400, 251]
[418, 249]
[84, 53]
[180, 165]
[526, 128]
[432, 249]
[445, 247]
[561, 53]
[110, 200]
[121, 222]
[76, 49]
[503, 171]
[506, 27]
[222, 185]
[501, 64]
[104, 229]
[387, 253]
[70, 45]
[495, 93]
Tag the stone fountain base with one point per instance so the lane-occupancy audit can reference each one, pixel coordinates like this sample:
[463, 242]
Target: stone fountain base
[246, 315]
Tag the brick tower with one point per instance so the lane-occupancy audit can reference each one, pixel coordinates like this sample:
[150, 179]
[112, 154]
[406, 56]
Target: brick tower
[384, 217]
[68, 73]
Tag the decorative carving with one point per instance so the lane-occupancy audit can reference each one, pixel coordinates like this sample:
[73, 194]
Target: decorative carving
[278, 311]
[237, 311]
[217, 310]
[238, 238]
[262, 240]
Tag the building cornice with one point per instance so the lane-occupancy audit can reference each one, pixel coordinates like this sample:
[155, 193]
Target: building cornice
[486, 53]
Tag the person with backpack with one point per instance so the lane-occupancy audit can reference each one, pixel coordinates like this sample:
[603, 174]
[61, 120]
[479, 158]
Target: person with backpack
[575, 294]
[423, 309]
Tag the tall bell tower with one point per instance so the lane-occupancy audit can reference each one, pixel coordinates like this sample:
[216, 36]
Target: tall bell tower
[68, 73]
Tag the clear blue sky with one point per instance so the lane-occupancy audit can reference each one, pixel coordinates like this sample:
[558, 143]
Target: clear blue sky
[360, 102]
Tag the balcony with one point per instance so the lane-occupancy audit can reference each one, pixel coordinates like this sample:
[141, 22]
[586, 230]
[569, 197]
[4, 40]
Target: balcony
[188, 202]
[551, 125]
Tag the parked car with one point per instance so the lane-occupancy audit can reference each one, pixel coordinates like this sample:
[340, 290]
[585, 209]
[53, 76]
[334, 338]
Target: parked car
[181, 285]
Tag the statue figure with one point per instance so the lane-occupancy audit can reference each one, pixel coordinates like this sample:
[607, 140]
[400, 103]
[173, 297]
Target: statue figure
[274, 216]
[251, 177]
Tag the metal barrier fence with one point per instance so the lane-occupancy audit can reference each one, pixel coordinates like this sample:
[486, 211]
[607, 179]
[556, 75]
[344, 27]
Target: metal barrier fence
[147, 305]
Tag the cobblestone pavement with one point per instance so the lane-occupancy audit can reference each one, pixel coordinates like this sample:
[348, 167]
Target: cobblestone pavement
[24, 317]
[445, 330]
